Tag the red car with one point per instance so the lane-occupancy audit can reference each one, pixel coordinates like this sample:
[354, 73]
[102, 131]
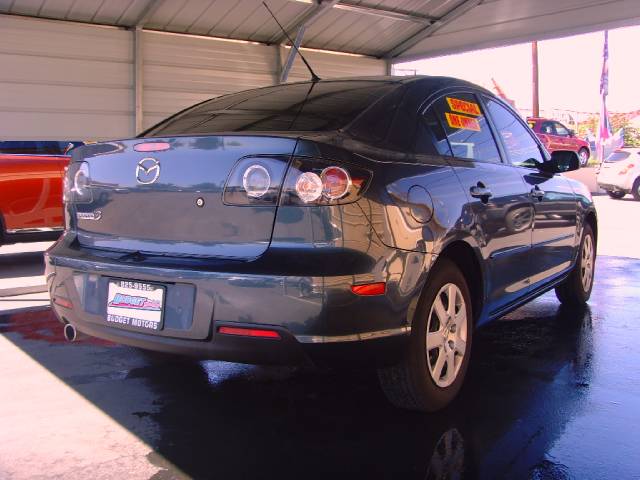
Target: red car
[555, 136]
[31, 176]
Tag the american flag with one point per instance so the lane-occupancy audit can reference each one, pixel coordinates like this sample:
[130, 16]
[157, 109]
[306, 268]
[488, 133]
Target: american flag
[604, 132]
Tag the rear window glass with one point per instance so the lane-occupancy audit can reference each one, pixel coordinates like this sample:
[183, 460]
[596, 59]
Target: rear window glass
[466, 127]
[617, 156]
[296, 107]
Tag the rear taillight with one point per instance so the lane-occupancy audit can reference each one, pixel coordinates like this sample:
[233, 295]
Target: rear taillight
[312, 181]
[309, 181]
[626, 169]
[77, 183]
[255, 181]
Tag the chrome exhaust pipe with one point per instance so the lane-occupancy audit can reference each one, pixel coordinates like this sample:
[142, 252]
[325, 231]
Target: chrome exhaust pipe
[70, 332]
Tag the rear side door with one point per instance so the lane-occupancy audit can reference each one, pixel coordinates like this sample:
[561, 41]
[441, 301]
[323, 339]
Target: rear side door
[499, 200]
[554, 225]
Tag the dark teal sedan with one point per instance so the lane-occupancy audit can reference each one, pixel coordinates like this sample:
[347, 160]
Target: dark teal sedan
[369, 221]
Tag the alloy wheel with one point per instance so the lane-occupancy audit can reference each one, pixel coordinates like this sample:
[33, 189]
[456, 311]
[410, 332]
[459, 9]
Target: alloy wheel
[446, 342]
[586, 263]
[584, 157]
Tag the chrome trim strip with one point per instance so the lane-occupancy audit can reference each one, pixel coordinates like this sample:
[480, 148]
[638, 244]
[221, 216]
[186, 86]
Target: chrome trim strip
[354, 337]
[553, 240]
[14, 231]
[508, 251]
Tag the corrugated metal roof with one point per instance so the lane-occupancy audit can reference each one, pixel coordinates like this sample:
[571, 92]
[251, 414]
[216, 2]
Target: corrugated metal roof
[399, 29]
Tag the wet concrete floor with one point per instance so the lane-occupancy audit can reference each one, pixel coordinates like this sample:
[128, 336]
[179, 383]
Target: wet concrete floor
[551, 394]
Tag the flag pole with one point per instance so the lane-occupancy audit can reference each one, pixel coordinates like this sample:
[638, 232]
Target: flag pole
[534, 79]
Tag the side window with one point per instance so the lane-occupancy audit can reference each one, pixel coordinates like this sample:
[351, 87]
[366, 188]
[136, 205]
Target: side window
[517, 139]
[430, 137]
[466, 127]
[547, 127]
[561, 130]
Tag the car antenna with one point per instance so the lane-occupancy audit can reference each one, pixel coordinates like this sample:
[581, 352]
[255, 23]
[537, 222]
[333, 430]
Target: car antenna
[314, 77]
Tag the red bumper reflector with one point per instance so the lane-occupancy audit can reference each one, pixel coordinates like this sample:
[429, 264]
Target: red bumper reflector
[151, 147]
[63, 302]
[249, 332]
[369, 289]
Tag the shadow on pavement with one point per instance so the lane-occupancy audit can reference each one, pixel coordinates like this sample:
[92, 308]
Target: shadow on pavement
[216, 419]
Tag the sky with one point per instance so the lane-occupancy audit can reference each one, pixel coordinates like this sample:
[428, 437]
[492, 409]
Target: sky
[569, 71]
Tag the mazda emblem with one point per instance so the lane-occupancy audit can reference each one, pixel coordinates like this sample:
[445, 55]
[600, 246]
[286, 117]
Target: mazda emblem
[147, 171]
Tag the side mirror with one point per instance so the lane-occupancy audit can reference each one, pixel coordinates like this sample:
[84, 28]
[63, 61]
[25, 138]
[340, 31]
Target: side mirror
[561, 161]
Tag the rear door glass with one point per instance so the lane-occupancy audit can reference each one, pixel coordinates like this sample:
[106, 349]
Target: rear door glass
[466, 127]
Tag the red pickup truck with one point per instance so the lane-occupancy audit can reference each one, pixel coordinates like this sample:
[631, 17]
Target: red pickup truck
[555, 136]
[31, 176]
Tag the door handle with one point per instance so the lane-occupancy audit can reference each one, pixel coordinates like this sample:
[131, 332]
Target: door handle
[537, 193]
[481, 192]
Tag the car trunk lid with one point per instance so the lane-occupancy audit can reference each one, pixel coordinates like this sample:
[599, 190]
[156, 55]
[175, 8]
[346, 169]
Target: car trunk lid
[169, 200]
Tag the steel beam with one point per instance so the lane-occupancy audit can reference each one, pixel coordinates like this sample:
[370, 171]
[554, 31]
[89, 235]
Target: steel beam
[138, 57]
[378, 11]
[293, 51]
[147, 12]
[312, 14]
[426, 32]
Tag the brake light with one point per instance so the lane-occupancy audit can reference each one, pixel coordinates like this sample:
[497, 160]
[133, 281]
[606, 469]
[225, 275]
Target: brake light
[250, 332]
[335, 182]
[313, 181]
[152, 147]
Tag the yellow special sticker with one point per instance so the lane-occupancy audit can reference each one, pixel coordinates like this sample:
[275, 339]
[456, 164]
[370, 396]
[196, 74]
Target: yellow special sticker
[460, 121]
[462, 106]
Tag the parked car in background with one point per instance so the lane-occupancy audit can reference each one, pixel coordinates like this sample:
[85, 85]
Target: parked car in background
[619, 174]
[374, 221]
[31, 176]
[555, 136]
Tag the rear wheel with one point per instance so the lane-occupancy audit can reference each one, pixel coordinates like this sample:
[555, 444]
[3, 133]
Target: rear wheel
[433, 369]
[583, 155]
[616, 195]
[576, 289]
[636, 189]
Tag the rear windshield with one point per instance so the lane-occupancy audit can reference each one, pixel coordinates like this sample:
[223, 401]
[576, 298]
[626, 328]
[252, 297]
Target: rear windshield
[617, 156]
[302, 107]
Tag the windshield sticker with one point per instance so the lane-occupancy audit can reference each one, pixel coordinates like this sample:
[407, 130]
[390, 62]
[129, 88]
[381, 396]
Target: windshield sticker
[460, 121]
[462, 106]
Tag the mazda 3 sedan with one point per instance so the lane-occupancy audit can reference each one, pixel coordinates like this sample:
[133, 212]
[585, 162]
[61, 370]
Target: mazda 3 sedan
[370, 221]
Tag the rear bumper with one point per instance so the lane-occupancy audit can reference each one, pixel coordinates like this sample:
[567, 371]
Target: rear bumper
[611, 187]
[319, 319]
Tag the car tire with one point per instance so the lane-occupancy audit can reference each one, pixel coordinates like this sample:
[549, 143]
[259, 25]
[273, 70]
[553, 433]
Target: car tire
[576, 289]
[583, 155]
[435, 363]
[636, 189]
[617, 195]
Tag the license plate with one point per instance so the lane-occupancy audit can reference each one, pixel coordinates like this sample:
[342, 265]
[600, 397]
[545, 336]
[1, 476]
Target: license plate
[135, 304]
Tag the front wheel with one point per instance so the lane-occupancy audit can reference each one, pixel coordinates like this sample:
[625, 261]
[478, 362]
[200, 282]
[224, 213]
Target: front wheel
[617, 195]
[576, 289]
[583, 156]
[434, 366]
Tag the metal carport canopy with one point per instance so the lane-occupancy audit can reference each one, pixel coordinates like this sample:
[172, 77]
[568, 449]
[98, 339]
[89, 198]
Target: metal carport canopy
[397, 30]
